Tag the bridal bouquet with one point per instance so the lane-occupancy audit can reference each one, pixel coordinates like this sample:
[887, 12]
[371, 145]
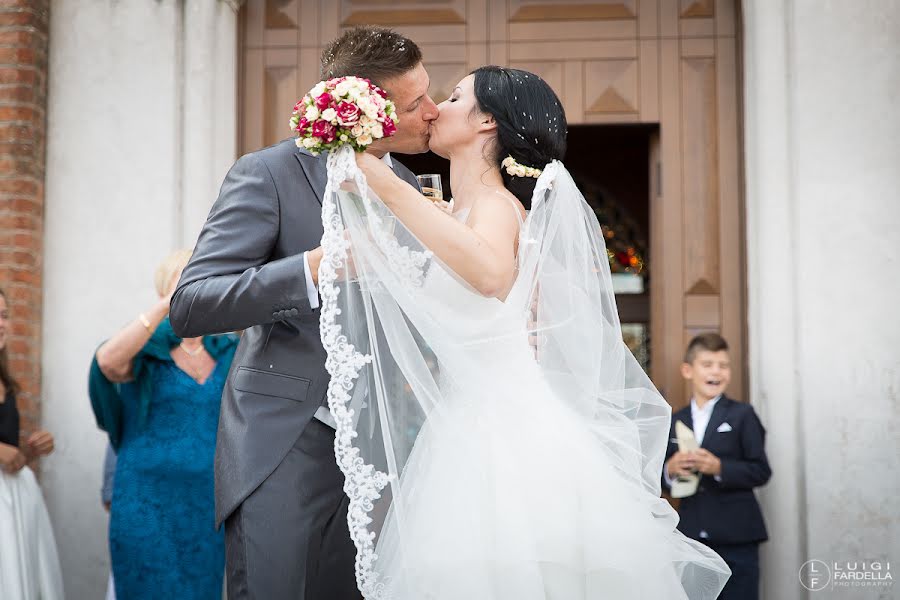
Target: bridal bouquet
[343, 111]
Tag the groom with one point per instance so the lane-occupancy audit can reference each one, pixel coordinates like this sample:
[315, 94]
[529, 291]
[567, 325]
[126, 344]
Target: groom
[255, 267]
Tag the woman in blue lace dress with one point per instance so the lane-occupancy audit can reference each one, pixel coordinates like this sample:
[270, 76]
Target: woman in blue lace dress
[158, 396]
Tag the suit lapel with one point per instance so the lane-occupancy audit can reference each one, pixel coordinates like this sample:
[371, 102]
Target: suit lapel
[315, 171]
[403, 173]
[685, 417]
[720, 411]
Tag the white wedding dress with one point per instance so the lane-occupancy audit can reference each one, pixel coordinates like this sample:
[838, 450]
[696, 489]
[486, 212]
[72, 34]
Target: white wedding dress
[477, 468]
[29, 564]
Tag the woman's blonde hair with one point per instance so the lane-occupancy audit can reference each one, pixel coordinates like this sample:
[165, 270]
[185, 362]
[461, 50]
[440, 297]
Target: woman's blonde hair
[168, 268]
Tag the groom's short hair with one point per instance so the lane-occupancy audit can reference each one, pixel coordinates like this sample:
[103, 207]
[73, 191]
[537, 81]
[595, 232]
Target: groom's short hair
[372, 52]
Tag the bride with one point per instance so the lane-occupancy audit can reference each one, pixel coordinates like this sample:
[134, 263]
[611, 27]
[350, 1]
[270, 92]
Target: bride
[498, 439]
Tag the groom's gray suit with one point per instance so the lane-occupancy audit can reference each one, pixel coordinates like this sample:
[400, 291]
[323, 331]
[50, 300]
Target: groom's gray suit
[279, 492]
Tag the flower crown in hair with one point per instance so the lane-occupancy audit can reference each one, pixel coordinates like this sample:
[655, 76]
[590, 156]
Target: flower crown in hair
[518, 170]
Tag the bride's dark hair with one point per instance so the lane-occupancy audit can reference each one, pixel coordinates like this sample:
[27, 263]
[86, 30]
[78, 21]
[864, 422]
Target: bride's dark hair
[531, 122]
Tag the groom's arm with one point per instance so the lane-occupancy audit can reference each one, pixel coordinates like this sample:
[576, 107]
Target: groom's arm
[230, 283]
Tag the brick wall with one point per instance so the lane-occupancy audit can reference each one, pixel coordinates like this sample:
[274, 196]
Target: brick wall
[23, 118]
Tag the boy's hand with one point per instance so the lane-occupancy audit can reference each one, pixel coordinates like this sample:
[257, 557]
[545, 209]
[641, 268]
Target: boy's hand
[706, 462]
[679, 465]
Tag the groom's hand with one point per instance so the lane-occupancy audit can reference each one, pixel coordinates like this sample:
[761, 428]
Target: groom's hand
[314, 258]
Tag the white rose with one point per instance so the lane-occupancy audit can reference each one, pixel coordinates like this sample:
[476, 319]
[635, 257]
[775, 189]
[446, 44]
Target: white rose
[368, 106]
[364, 139]
[342, 89]
[318, 90]
[309, 143]
[377, 131]
[330, 115]
[312, 113]
[357, 130]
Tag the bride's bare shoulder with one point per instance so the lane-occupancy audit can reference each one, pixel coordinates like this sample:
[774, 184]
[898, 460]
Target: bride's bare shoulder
[498, 204]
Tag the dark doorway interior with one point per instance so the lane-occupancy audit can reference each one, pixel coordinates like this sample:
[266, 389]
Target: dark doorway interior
[611, 165]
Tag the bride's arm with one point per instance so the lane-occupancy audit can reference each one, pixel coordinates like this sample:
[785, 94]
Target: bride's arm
[482, 252]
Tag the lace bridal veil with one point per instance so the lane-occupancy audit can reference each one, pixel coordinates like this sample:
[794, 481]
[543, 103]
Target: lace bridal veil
[409, 344]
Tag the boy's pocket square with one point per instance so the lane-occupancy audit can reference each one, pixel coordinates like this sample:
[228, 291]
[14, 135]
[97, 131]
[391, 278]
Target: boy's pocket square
[724, 427]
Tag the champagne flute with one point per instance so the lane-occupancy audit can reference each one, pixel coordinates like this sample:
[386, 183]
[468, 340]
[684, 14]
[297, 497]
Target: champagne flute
[430, 185]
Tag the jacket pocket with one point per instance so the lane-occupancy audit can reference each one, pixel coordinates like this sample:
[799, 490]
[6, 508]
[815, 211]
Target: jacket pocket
[269, 383]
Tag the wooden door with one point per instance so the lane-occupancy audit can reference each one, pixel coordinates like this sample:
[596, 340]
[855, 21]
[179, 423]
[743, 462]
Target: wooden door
[669, 62]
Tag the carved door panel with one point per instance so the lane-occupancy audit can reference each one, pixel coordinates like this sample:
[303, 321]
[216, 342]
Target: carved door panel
[669, 62]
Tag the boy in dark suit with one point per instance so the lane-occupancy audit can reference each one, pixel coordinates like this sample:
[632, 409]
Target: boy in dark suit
[731, 461]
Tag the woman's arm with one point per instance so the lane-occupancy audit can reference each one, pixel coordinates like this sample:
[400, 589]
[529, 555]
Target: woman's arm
[482, 252]
[11, 458]
[115, 356]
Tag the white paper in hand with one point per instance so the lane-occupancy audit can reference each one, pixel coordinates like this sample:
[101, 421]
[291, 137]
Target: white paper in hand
[686, 485]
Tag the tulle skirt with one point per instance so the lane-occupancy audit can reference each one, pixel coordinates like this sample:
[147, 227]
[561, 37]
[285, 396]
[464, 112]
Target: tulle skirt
[515, 498]
[29, 565]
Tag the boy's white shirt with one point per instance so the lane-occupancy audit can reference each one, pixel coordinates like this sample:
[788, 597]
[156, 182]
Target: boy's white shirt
[700, 417]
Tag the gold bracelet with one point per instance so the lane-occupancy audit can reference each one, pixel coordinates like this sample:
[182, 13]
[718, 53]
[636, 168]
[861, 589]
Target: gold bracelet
[145, 322]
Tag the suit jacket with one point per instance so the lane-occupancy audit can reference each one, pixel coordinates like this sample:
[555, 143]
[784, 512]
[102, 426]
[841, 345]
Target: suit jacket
[726, 511]
[247, 273]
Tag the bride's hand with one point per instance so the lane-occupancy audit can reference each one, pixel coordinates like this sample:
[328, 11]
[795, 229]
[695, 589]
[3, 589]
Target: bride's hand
[444, 205]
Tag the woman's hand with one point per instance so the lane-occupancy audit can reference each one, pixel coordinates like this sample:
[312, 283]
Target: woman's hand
[115, 356]
[444, 205]
[40, 443]
[11, 458]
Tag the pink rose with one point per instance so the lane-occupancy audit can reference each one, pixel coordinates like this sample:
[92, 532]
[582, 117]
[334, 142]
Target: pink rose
[300, 106]
[323, 101]
[303, 124]
[348, 114]
[324, 131]
[381, 92]
[389, 127]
